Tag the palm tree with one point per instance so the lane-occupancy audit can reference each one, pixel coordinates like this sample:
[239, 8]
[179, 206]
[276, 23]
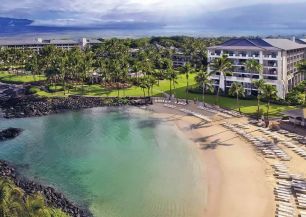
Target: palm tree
[10, 199]
[253, 66]
[203, 80]
[237, 90]
[102, 68]
[269, 92]
[187, 70]
[117, 54]
[221, 66]
[62, 67]
[151, 81]
[171, 73]
[85, 67]
[142, 83]
[35, 206]
[145, 63]
[259, 84]
[32, 64]
[74, 59]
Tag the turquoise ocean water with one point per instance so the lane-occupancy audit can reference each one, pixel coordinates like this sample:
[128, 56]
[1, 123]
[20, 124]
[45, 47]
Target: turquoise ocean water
[118, 162]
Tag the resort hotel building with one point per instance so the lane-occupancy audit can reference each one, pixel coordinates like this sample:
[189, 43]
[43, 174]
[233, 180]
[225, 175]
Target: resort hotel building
[39, 43]
[278, 57]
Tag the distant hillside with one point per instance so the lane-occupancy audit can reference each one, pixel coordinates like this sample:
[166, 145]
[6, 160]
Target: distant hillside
[12, 22]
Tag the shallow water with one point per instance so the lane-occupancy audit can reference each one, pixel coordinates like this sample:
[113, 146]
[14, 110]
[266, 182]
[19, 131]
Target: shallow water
[119, 162]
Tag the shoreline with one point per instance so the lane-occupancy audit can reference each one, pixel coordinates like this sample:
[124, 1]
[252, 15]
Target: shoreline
[33, 106]
[237, 183]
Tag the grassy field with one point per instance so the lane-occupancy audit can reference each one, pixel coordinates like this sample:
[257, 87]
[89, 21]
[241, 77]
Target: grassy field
[19, 79]
[98, 90]
[247, 106]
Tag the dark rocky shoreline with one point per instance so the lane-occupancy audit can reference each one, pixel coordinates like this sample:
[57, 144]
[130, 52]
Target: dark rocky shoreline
[31, 106]
[53, 198]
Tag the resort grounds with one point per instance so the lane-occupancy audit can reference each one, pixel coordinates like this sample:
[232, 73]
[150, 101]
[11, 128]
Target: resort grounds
[250, 170]
[248, 107]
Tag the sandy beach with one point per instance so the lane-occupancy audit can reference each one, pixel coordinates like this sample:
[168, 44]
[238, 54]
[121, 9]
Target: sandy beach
[239, 180]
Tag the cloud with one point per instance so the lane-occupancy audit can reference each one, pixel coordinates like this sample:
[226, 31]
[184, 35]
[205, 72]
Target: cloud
[197, 14]
[261, 16]
[85, 12]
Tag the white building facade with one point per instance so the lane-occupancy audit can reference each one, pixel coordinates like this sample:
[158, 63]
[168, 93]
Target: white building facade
[279, 58]
[38, 43]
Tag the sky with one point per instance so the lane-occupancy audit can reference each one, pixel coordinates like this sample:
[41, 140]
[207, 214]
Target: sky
[196, 14]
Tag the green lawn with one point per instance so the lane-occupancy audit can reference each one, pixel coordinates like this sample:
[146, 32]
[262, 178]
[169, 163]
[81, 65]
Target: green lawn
[247, 106]
[19, 79]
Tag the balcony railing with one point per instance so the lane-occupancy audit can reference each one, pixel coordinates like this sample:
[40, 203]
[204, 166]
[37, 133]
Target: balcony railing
[236, 55]
[270, 56]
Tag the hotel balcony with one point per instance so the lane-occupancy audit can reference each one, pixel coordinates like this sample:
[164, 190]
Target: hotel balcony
[270, 64]
[235, 55]
[243, 56]
[270, 71]
[239, 62]
[270, 56]
[269, 78]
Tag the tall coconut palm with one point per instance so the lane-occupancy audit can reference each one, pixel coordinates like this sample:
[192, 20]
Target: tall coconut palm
[186, 70]
[142, 83]
[237, 90]
[259, 84]
[85, 67]
[221, 66]
[73, 65]
[203, 80]
[117, 54]
[32, 64]
[269, 92]
[102, 68]
[63, 69]
[151, 81]
[171, 73]
[253, 67]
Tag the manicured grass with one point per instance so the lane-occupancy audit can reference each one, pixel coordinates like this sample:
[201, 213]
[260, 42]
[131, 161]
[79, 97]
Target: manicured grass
[98, 90]
[247, 106]
[19, 79]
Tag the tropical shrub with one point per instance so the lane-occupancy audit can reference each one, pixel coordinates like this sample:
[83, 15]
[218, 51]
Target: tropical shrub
[295, 97]
[15, 203]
